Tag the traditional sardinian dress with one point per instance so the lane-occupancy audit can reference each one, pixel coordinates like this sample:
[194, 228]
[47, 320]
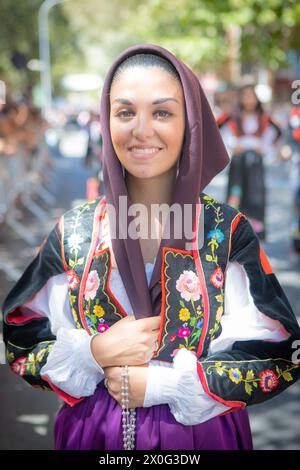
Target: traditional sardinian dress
[246, 179]
[225, 343]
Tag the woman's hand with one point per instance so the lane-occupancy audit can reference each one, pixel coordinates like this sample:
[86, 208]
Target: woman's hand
[137, 384]
[128, 342]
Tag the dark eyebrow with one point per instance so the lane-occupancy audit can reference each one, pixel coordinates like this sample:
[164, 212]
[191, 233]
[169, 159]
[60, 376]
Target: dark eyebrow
[159, 101]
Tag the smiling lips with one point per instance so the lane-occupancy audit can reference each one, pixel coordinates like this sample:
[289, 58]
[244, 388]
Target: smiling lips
[144, 152]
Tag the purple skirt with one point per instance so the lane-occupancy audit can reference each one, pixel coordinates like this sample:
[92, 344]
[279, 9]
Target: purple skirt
[95, 424]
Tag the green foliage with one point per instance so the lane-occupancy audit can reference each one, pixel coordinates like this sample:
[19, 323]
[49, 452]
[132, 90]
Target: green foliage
[87, 36]
[19, 32]
[197, 30]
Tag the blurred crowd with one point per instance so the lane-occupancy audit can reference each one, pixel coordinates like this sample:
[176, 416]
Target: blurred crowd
[251, 130]
[21, 128]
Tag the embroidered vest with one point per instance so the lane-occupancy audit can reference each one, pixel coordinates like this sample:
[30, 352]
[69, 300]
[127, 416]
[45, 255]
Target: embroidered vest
[190, 318]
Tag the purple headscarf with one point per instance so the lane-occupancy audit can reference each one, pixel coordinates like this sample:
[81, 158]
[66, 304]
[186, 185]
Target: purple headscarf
[203, 156]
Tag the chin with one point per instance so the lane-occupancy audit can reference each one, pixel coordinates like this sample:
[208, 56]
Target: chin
[143, 174]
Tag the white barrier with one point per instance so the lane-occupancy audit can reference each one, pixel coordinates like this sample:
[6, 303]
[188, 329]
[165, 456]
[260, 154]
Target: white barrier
[19, 185]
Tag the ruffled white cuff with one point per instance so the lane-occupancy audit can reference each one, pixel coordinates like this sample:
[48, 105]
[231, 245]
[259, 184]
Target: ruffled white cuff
[71, 365]
[180, 387]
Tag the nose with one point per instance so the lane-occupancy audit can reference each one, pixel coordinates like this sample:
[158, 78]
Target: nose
[143, 127]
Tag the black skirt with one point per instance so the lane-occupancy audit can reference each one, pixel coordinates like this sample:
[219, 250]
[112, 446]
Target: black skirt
[246, 188]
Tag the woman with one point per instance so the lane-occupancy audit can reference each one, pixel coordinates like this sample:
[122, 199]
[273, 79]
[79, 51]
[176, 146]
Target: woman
[249, 134]
[183, 336]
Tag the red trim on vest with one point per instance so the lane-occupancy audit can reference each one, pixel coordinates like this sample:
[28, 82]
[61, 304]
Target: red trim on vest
[235, 223]
[97, 217]
[108, 285]
[233, 227]
[199, 269]
[264, 261]
[62, 250]
[163, 300]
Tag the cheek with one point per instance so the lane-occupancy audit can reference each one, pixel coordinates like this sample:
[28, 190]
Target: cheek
[171, 134]
[176, 135]
[119, 134]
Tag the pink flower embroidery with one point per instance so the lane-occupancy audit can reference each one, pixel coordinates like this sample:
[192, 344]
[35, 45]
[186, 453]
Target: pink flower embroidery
[92, 285]
[189, 286]
[184, 332]
[73, 279]
[18, 366]
[268, 381]
[175, 352]
[217, 278]
[102, 328]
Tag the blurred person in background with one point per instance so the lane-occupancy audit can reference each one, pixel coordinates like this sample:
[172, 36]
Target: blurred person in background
[93, 156]
[291, 151]
[250, 135]
[224, 102]
[21, 129]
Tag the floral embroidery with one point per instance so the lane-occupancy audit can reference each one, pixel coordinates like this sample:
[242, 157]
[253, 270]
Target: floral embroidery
[98, 311]
[40, 355]
[267, 380]
[91, 303]
[102, 327]
[219, 313]
[92, 285]
[73, 299]
[28, 365]
[74, 242]
[188, 285]
[184, 332]
[75, 239]
[235, 375]
[73, 279]
[217, 278]
[215, 237]
[18, 366]
[184, 314]
[183, 304]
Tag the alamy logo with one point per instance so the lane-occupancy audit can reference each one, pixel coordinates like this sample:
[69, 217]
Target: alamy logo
[296, 354]
[296, 94]
[2, 351]
[143, 223]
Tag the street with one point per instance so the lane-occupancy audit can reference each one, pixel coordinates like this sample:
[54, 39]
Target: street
[27, 415]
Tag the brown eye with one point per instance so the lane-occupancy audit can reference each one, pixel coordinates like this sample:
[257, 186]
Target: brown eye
[125, 114]
[161, 113]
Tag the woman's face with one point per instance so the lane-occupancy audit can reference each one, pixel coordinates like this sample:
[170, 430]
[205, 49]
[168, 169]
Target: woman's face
[147, 120]
[248, 99]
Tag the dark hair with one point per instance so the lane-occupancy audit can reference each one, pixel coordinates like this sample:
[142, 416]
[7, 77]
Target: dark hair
[145, 60]
[258, 107]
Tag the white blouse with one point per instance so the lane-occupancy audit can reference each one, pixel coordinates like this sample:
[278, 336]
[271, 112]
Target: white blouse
[249, 141]
[72, 367]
